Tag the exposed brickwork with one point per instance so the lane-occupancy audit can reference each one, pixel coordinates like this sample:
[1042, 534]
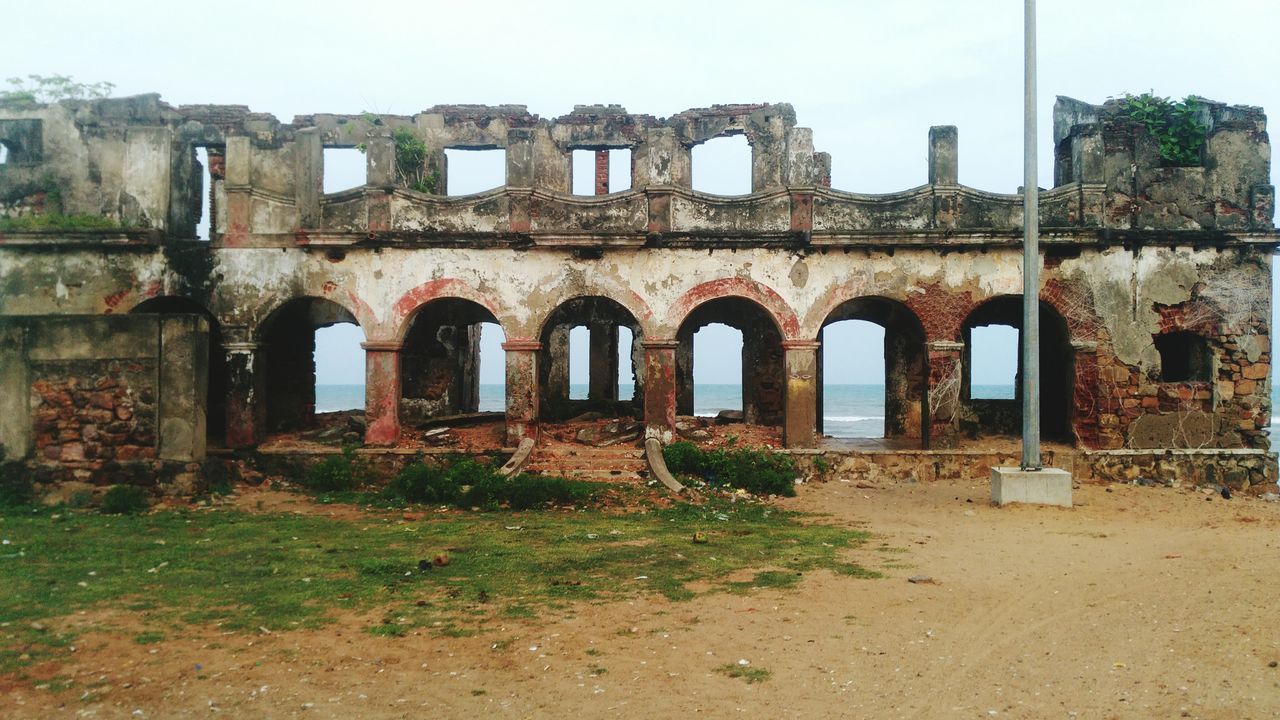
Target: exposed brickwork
[602, 172]
[91, 417]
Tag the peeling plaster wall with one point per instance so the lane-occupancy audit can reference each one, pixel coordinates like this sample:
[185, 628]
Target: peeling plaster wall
[1133, 250]
[1114, 301]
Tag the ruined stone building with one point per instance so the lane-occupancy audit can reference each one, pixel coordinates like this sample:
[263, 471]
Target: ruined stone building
[126, 340]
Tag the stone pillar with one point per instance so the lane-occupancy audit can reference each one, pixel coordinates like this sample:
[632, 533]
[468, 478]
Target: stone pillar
[382, 392]
[946, 378]
[602, 172]
[769, 155]
[184, 380]
[603, 368]
[552, 166]
[799, 429]
[16, 431]
[801, 169]
[944, 176]
[308, 169]
[238, 164]
[557, 372]
[246, 411]
[818, 405]
[522, 389]
[944, 157]
[519, 178]
[217, 192]
[663, 160]
[684, 373]
[380, 180]
[660, 387]
[520, 163]
[763, 373]
[1089, 409]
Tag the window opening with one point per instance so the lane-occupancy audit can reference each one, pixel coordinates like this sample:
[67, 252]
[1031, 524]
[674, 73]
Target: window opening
[717, 369]
[474, 171]
[853, 379]
[579, 362]
[493, 369]
[206, 195]
[722, 166]
[344, 168]
[1184, 357]
[339, 368]
[993, 362]
[626, 376]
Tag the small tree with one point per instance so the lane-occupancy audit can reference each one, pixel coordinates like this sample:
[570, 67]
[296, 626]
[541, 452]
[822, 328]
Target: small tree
[52, 88]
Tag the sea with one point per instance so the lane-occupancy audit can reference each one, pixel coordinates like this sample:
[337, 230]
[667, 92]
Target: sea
[849, 411]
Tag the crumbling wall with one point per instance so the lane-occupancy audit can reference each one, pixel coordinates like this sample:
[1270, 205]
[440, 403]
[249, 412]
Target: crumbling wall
[1132, 250]
[97, 398]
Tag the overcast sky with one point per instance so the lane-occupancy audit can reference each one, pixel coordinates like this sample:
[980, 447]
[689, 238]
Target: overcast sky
[868, 77]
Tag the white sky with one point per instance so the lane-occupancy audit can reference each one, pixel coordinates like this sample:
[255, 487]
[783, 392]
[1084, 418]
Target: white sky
[868, 77]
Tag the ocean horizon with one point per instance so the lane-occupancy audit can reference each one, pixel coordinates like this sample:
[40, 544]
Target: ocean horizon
[849, 410]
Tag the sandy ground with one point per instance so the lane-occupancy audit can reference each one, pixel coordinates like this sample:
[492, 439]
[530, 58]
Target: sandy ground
[1138, 603]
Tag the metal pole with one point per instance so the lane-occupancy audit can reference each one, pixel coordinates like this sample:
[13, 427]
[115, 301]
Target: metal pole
[1030, 254]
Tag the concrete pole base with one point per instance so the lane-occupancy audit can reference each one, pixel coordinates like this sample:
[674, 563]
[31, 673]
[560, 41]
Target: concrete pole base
[1048, 486]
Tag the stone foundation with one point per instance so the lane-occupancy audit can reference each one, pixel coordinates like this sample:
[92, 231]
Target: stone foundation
[1241, 470]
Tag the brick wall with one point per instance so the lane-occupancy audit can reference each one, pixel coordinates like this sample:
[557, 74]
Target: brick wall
[103, 399]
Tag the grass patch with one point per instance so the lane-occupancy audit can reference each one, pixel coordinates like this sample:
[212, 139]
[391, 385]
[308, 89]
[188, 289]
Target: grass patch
[336, 473]
[756, 470]
[450, 574]
[16, 488]
[125, 500]
[767, 579]
[470, 483]
[746, 672]
[452, 481]
[57, 221]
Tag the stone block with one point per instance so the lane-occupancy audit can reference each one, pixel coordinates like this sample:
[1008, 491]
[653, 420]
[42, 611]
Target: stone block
[1256, 371]
[1048, 486]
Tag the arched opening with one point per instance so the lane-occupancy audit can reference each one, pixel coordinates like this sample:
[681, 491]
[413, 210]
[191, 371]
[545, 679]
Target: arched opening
[745, 353]
[875, 372]
[603, 322]
[216, 403]
[722, 166]
[444, 363]
[1184, 357]
[4, 154]
[1001, 416]
[289, 353]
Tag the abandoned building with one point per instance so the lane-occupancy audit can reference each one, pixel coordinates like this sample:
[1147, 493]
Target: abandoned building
[129, 345]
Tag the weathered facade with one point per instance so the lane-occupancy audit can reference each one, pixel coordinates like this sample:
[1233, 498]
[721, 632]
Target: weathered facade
[1155, 297]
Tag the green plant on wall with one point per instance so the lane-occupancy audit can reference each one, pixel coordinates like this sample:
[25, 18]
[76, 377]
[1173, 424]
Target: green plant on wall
[411, 157]
[49, 216]
[1175, 125]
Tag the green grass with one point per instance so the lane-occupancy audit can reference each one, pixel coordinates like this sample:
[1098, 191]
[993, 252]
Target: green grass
[756, 470]
[746, 672]
[57, 221]
[246, 572]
